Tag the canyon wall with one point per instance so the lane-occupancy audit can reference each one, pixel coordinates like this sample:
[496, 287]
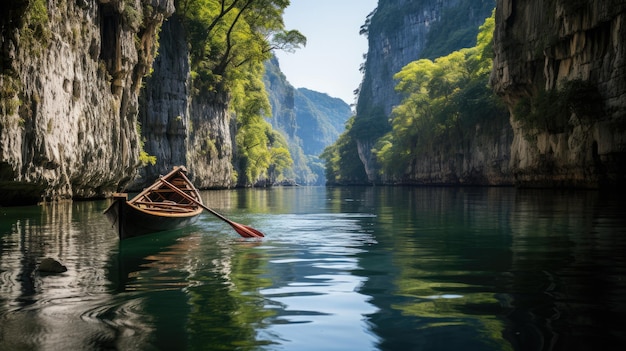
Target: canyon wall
[70, 78]
[482, 158]
[399, 32]
[178, 129]
[560, 66]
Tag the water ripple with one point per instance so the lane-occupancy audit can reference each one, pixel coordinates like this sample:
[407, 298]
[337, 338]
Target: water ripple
[321, 290]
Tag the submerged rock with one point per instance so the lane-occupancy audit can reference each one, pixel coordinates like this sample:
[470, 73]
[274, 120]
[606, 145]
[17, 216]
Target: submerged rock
[50, 265]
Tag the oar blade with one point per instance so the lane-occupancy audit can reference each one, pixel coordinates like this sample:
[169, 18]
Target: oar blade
[256, 232]
[246, 232]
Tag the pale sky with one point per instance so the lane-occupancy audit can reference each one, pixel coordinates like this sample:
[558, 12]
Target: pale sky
[334, 51]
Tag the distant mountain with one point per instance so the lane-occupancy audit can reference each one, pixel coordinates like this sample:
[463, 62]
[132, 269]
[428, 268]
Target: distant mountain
[310, 121]
[320, 119]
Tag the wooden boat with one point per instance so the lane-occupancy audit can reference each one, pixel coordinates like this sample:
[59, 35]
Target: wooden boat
[157, 208]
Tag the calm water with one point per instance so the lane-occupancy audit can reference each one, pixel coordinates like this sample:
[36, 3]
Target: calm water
[340, 269]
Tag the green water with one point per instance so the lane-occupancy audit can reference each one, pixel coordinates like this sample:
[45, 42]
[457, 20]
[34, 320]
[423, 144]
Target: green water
[339, 269]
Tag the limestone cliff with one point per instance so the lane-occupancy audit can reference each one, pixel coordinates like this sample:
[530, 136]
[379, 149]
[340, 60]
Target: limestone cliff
[398, 32]
[70, 78]
[560, 66]
[178, 129]
[481, 158]
[164, 104]
[212, 143]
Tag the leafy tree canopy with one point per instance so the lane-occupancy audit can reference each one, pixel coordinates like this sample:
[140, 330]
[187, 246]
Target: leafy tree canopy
[229, 40]
[227, 35]
[442, 100]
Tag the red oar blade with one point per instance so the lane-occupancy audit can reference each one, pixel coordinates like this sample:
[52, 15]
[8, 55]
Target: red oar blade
[256, 232]
[245, 231]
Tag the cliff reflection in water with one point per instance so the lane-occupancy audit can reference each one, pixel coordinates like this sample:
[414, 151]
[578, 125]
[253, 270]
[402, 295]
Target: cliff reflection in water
[57, 311]
[518, 269]
[340, 268]
[568, 270]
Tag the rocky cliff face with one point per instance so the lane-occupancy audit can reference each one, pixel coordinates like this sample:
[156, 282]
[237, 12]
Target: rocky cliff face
[397, 35]
[482, 160]
[177, 129]
[391, 46]
[164, 104]
[573, 52]
[212, 143]
[70, 78]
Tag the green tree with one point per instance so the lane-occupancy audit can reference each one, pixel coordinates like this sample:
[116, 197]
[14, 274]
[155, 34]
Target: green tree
[341, 166]
[225, 35]
[229, 41]
[443, 99]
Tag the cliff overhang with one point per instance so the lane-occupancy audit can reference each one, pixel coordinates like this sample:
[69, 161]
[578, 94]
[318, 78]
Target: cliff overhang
[560, 67]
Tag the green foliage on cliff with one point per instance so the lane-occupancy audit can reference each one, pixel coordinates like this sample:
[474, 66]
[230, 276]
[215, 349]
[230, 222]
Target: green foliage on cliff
[36, 24]
[229, 41]
[262, 152]
[29, 20]
[9, 101]
[443, 100]
[267, 162]
[342, 165]
[144, 158]
[26, 22]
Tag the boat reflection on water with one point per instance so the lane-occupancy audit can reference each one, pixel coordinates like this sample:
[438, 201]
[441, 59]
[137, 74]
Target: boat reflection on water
[149, 272]
[136, 256]
[157, 291]
[103, 300]
[188, 284]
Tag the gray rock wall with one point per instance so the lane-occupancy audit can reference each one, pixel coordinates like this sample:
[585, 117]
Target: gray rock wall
[70, 85]
[542, 45]
[212, 145]
[178, 128]
[483, 160]
[391, 49]
[164, 105]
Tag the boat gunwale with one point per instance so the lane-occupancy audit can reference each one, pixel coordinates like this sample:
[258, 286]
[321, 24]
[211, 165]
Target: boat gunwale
[193, 213]
[178, 173]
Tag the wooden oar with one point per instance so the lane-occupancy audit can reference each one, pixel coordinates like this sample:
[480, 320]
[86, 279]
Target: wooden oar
[156, 185]
[243, 230]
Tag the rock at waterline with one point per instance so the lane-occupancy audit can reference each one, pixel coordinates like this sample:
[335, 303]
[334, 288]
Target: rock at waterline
[50, 265]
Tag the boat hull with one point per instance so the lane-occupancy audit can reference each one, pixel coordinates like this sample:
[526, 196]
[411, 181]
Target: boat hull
[131, 222]
[171, 202]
